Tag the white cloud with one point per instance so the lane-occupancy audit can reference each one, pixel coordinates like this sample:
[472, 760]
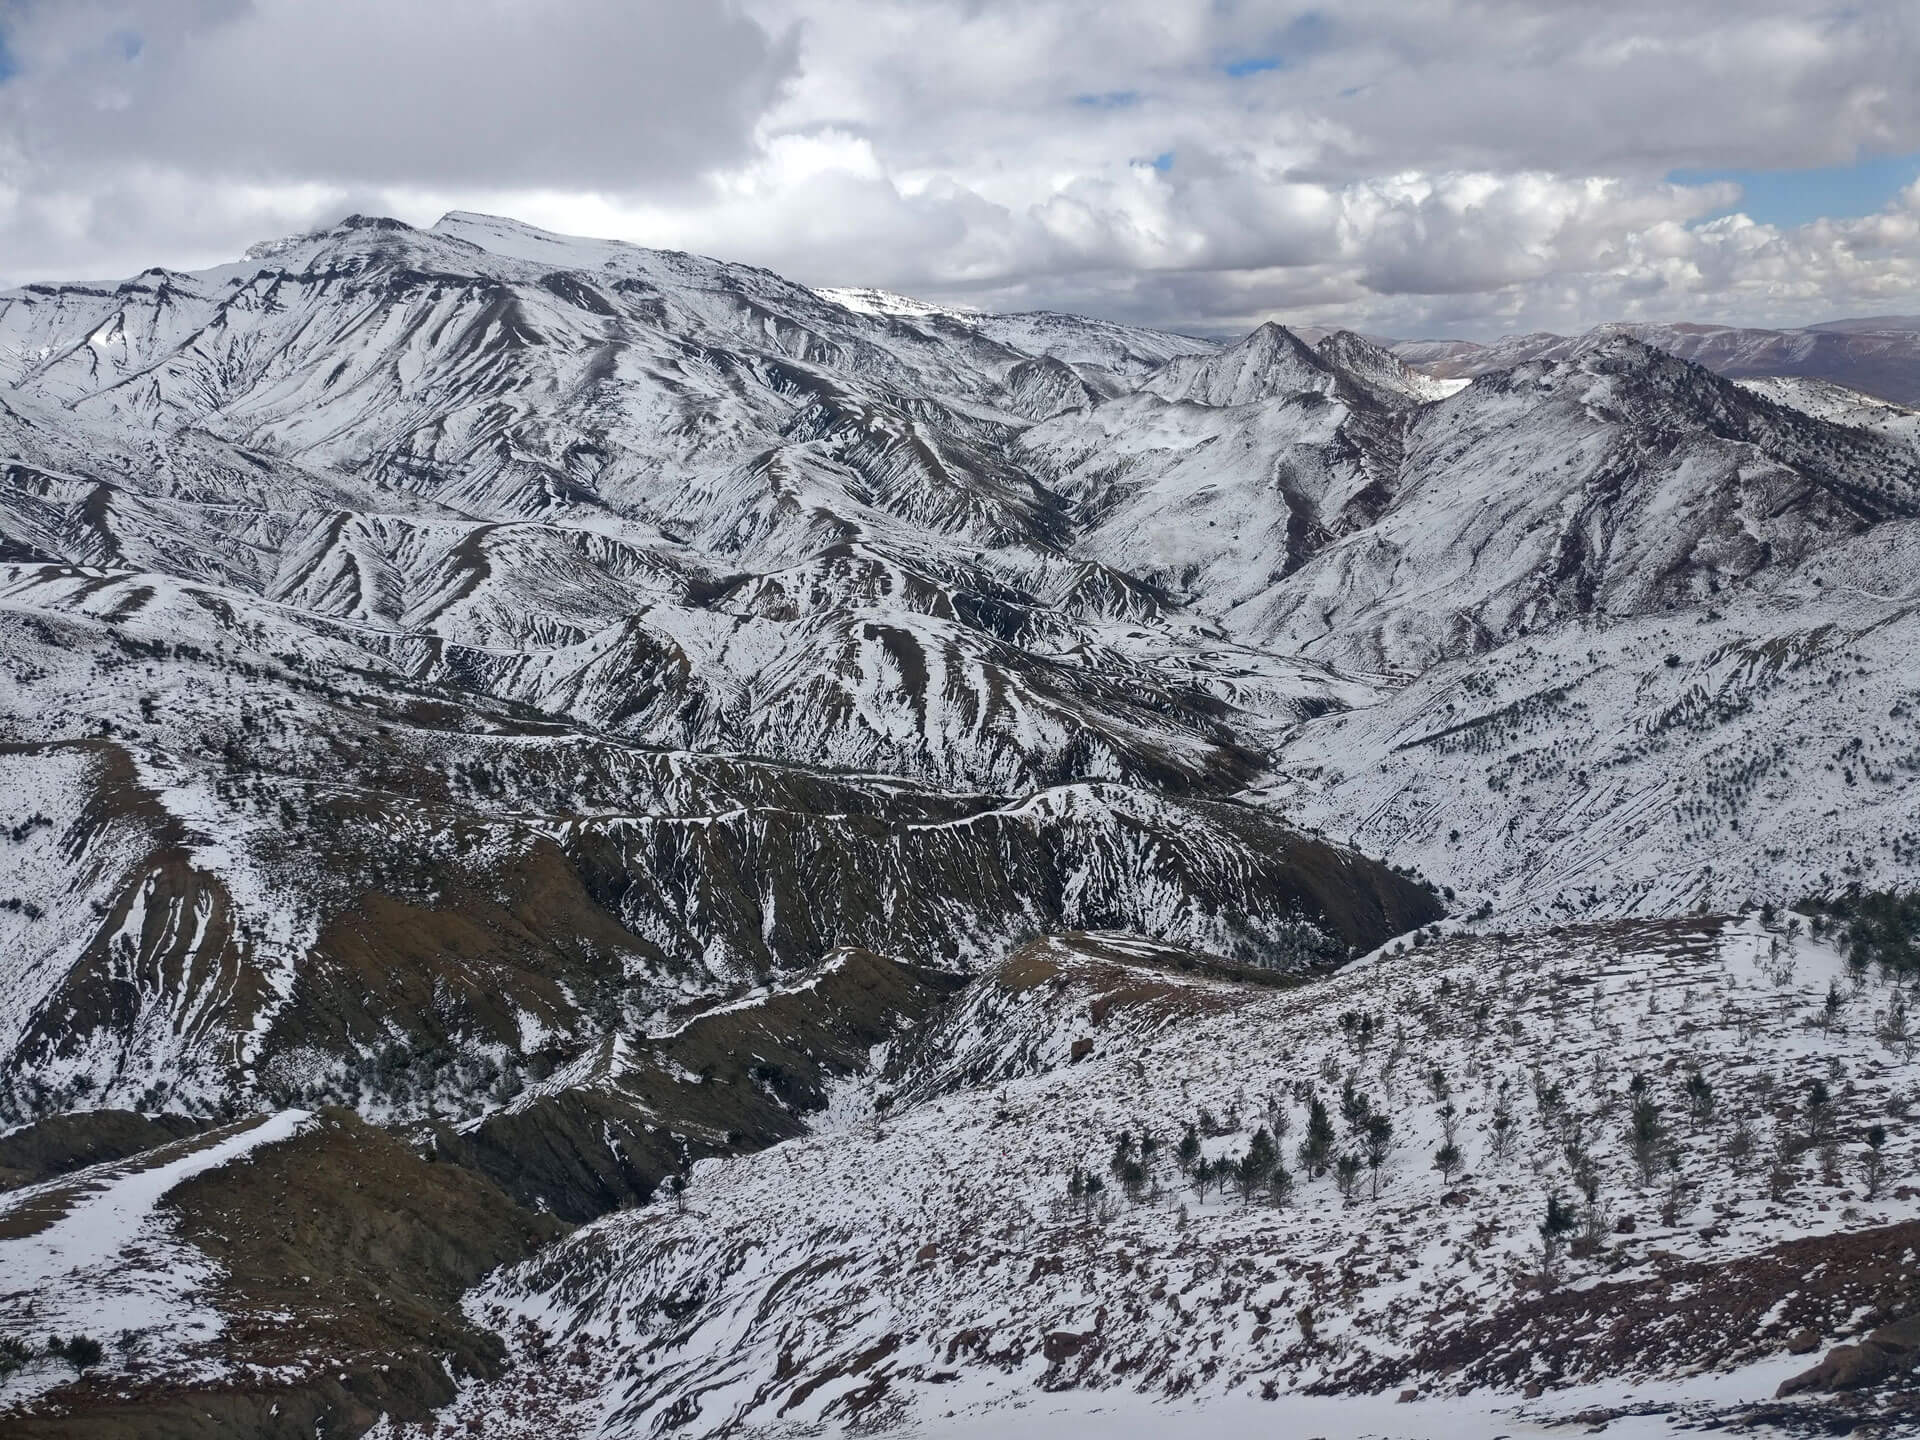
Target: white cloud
[1403, 165]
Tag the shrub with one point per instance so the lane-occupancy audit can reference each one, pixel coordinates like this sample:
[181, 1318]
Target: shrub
[13, 1356]
[82, 1352]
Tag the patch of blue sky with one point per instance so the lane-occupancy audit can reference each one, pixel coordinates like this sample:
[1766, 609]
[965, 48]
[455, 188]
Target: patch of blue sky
[1300, 39]
[1794, 197]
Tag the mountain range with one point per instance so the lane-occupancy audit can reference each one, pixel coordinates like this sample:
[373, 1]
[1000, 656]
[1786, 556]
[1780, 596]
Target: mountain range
[1875, 355]
[555, 792]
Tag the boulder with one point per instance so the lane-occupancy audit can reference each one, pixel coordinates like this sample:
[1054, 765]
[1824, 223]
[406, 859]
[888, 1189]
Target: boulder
[1887, 1352]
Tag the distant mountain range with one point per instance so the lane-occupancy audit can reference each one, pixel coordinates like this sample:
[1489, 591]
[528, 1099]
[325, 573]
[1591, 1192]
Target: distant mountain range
[1878, 356]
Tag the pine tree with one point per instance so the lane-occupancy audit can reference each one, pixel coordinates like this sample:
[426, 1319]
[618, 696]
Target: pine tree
[1316, 1151]
[14, 1355]
[1379, 1142]
[1354, 1108]
[1279, 1184]
[1257, 1164]
[1875, 1161]
[1819, 1111]
[1502, 1130]
[1188, 1151]
[1644, 1128]
[1700, 1097]
[1836, 1001]
[1554, 1230]
[82, 1352]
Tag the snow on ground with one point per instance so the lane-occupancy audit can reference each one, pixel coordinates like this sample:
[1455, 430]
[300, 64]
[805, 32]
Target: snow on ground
[1675, 1407]
[932, 1258]
[1825, 400]
[91, 1254]
[1768, 749]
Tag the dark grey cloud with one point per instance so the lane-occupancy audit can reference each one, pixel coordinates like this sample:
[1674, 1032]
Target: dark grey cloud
[601, 94]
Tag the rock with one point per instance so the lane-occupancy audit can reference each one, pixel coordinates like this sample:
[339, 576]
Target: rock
[1889, 1351]
[1847, 1367]
[1064, 1344]
[1803, 1341]
[1407, 1397]
[1534, 1390]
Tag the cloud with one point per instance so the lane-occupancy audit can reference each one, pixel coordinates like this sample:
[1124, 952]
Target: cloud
[1403, 165]
[268, 111]
[589, 93]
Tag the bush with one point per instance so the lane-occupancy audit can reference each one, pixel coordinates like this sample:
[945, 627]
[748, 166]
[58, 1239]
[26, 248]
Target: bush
[13, 1356]
[82, 1352]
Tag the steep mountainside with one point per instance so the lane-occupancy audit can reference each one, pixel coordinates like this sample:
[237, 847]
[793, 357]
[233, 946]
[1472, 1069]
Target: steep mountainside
[410, 641]
[497, 727]
[942, 1272]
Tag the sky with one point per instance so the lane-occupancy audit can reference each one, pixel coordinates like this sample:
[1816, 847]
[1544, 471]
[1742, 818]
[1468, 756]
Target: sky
[1404, 167]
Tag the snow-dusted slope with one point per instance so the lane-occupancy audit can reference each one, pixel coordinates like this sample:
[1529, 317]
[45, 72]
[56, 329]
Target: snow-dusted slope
[93, 1254]
[522, 690]
[1621, 482]
[543, 618]
[1763, 747]
[1825, 400]
[939, 1271]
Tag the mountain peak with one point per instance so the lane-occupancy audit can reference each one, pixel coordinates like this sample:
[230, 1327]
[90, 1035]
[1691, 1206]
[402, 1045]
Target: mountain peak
[1267, 364]
[372, 222]
[869, 300]
[1377, 370]
[517, 240]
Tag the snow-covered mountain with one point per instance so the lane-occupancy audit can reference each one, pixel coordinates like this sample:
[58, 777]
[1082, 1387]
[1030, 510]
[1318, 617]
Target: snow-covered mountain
[1880, 356]
[526, 720]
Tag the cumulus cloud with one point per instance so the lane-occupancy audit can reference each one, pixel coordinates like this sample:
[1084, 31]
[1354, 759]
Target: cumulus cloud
[1407, 166]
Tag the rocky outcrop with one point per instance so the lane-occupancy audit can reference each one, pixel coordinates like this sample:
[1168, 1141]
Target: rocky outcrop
[1888, 1353]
